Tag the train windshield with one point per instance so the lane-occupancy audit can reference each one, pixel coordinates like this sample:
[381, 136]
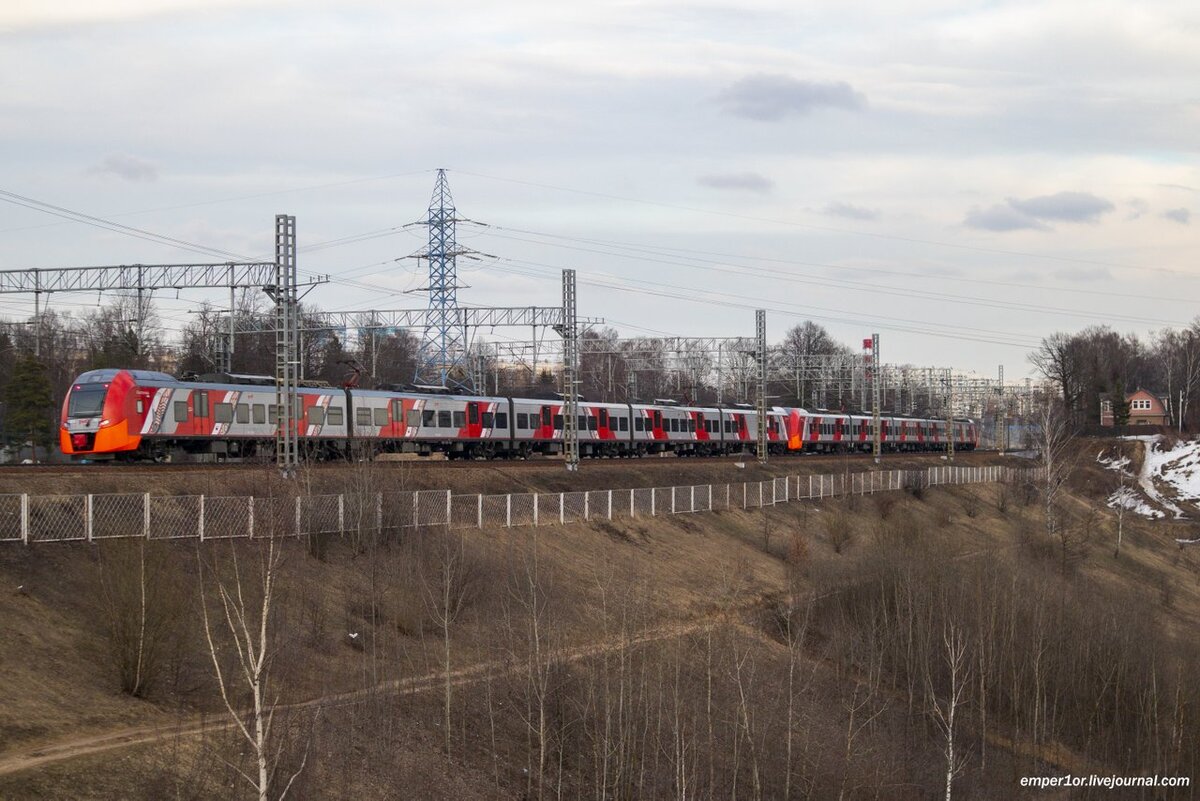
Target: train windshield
[86, 400]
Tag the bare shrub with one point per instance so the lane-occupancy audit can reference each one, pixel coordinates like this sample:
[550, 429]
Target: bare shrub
[141, 590]
[971, 504]
[839, 528]
[885, 504]
[1003, 497]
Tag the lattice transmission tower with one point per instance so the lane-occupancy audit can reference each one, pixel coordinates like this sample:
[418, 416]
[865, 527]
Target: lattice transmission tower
[442, 359]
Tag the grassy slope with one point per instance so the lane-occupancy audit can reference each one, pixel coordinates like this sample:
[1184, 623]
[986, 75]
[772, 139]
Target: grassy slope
[60, 681]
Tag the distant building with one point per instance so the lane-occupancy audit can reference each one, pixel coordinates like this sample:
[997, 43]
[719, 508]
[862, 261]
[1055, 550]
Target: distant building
[1145, 409]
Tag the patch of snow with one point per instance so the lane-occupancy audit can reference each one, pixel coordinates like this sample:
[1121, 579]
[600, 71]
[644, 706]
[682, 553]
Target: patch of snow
[1128, 498]
[1113, 463]
[1177, 468]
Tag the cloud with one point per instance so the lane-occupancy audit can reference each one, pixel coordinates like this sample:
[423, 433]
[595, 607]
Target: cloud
[769, 98]
[748, 181]
[1180, 215]
[1001, 218]
[1138, 208]
[131, 168]
[1083, 274]
[1077, 207]
[851, 211]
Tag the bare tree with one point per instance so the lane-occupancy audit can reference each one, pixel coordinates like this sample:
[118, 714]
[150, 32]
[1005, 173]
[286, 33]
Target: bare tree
[955, 653]
[245, 605]
[1054, 439]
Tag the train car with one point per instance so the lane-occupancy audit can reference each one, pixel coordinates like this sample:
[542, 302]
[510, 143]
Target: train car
[141, 414]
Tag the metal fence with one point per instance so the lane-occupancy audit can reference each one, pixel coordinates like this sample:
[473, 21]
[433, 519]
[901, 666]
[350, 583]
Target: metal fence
[63, 518]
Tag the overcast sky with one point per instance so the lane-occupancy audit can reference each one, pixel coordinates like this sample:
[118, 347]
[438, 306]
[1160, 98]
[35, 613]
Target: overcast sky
[962, 177]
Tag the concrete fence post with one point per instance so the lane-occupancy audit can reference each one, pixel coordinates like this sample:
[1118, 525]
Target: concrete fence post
[299, 519]
[250, 517]
[692, 505]
[536, 495]
[25, 517]
[672, 500]
[652, 494]
[342, 514]
[200, 516]
[146, 514]
[632, 509]
[610, 504]
[562, 508]
[479, 510]
[586, 509]
[507, 510]
[448, 509]
[89, 524]
[379, 512]
[416, 496]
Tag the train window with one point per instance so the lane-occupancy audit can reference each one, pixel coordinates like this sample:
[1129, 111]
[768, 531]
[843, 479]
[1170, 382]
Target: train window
[413, 418]
[522, 420]
[558, 422]
[486, 419]
[443, 419]
[141, 406]
[604, 418]
[273, 414]
[381, 416]
[429, 418]
[316, 416]
[502, 421]
[181, 413]
[623, 423]
[691, 425]
[675, 424]
[223, 412]
[200, 404]
[260, 413]
[582, 424]
[546, 416]
[243, 413]
[397, 409]
[362, 417]
[593, 423]
[473, 409]
[637, 424]
[460, 419]
[334, 418]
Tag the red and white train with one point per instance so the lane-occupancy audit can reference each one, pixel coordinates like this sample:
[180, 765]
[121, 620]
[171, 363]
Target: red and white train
[140, 414]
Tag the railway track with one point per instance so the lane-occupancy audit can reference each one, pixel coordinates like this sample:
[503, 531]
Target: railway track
[434, 463]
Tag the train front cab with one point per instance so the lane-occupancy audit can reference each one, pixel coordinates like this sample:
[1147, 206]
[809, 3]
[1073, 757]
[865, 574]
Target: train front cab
[95, 421]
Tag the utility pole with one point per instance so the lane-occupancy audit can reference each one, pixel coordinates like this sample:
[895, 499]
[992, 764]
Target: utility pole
[760, 354]
[570, 336]
[876, 433]
[1002, 417]
[287, 336]
[949, 414]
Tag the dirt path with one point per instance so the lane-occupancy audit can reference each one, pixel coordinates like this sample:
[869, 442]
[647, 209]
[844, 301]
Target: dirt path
[130, 737]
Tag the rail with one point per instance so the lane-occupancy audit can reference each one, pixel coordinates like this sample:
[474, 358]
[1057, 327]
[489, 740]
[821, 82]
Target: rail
[30, 519]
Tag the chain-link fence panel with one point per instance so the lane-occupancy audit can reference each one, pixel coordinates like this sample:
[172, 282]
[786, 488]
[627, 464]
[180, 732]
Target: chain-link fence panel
[643, 502]
[521, 509]
[320, 514]
[119, 515]
[175, 517]
[11, 516]
[497, 510]
[228, 517]
[574, 507]
[465, 511]
[432, 508]
[54, 518]
[663, 501]
[362, 513]
[600, 505]
[399, 510]
[273, 516]
[782, 491]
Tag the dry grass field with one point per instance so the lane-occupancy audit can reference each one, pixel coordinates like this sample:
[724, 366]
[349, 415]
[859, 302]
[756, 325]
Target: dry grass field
[807, 651]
